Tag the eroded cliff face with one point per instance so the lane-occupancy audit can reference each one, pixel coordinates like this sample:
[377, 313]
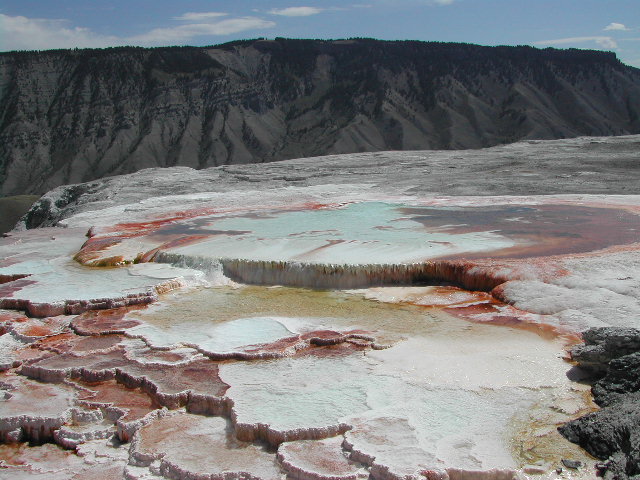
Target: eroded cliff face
[74, 116]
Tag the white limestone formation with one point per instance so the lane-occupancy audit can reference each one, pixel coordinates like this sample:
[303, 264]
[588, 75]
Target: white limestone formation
[196, 447]
[319, 460]
[33, 411]
[330, 326]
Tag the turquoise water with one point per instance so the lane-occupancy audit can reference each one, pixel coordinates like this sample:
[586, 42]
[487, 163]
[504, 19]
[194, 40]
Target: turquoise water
[360, 233]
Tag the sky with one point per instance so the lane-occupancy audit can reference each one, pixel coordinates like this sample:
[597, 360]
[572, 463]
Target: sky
[612, 25]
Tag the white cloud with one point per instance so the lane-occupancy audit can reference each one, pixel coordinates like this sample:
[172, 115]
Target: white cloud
[199, 16]
[601, 41]
[22, 33]
[431, 3]
[606, 42]
[184, 33]
[296, 11]
[616, 26]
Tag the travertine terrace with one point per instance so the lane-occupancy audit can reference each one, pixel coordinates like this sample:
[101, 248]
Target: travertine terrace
[353, 317]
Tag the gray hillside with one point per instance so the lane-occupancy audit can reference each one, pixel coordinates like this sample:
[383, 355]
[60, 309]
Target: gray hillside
[73, 116]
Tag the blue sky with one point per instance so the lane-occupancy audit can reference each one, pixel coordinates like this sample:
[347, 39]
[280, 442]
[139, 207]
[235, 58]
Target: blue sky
[595, 24]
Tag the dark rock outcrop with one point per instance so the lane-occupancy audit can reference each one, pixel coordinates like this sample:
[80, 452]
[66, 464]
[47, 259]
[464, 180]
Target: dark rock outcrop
[622, 378]
[602, 345]
[71, 116]
[612, 433]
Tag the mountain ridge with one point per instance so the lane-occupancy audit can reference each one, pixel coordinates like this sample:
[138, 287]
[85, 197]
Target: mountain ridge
[70, 116]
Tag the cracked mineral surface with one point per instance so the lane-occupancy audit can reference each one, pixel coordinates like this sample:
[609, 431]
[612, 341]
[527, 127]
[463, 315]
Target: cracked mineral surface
[315, 329]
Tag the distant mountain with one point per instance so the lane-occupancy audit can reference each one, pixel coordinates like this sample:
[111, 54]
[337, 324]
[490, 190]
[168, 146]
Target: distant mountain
[70, 116]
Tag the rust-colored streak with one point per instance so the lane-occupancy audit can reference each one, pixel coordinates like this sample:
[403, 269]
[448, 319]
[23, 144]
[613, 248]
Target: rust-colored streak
[322, 342]
[496, 313]
[337, 351]
[447, 296]
[37, 331]
[103, 322]
[135, 229]
[70, 342]
[176, 229]
[90, 363]
[198, 226]
[538, 230]
[12, 317]
[8, 289]
[13, 277]
[55, 342]
[174, 221]
[158, 380]
[90, 252]
[318, 206]
[166, 356]
[174, 243]
[278, 348]
[20, 454]
[110, 392]
[328, 244]
[197, 375]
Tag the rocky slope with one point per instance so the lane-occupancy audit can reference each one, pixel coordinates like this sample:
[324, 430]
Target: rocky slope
[73, 116]
[612, 355]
